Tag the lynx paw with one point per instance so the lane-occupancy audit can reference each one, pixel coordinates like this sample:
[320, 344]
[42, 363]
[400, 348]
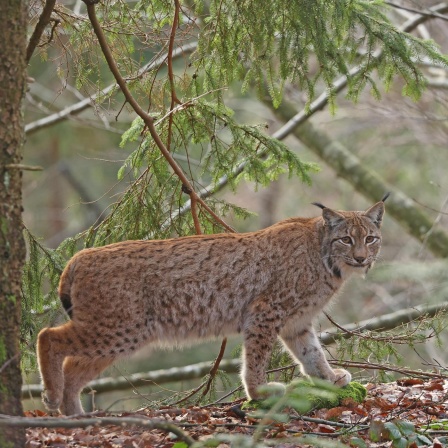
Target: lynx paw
[341, 377]
[276, 389]
[50, 404]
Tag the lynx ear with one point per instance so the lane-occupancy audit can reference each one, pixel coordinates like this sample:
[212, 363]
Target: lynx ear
[331, 217]
[375, 213]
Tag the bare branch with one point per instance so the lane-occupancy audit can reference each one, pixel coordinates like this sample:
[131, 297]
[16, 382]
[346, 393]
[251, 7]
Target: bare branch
[215, 367]
[424, 12]
[43, 21]
[174, 98]
[21, 166]
[371, 185]
[154, 377]
[385, 322]
[387, 368]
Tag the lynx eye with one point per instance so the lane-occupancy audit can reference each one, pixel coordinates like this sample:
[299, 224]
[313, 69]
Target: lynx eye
[346, 240]
[370, 239]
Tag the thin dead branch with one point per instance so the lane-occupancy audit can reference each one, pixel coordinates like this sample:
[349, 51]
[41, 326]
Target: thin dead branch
[43, 21]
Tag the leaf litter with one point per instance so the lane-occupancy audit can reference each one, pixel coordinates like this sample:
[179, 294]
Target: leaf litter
[408, 413]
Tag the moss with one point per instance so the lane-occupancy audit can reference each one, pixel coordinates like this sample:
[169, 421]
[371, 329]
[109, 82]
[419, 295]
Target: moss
[2, 350]
[353, 390]
[306, 395]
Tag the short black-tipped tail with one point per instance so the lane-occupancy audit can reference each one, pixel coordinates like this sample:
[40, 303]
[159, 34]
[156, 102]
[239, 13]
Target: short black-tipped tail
[67, 304]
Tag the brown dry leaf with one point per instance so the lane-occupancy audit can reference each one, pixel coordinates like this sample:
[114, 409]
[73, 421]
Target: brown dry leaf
[335, 413]
[380, 403]
[409, 381]
[434, 385]
[326, 428]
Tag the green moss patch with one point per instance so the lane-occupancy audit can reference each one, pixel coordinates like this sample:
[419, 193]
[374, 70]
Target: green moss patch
[304, 395]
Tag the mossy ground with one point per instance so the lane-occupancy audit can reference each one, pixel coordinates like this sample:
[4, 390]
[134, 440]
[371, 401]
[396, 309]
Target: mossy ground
[316, 398]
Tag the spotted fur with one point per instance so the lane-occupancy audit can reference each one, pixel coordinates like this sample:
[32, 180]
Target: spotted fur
[265, 285]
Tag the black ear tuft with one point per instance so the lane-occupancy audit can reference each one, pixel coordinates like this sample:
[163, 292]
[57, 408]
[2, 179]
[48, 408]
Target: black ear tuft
[385, 196]
[375, 213]
[318, 204]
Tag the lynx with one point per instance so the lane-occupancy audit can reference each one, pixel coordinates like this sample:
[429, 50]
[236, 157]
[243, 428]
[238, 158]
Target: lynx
[265, 285]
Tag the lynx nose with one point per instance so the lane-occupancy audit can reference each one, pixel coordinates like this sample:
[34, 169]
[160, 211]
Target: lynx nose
[360, 260]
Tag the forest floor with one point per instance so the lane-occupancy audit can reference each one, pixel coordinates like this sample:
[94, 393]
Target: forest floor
[408, 413]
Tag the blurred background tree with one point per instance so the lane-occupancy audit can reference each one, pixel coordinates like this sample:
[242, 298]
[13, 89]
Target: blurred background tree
[215, 114]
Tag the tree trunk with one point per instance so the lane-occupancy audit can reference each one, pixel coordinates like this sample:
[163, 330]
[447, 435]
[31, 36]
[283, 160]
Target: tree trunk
[12, 245]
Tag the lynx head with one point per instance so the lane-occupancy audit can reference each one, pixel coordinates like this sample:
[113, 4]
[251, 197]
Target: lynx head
[351, 240]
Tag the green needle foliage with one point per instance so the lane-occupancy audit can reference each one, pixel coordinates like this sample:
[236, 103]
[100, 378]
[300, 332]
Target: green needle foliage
[275, 43]
[249, 44]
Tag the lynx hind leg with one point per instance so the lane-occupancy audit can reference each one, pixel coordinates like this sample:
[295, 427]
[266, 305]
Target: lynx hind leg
[78, 371]
[305, 347]
[53, 345]
[258, 343]
[69, 340]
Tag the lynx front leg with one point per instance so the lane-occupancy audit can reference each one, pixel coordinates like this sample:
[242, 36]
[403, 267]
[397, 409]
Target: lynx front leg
[303, 344]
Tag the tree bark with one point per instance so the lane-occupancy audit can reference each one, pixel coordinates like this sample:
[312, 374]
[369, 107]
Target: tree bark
[12, 244]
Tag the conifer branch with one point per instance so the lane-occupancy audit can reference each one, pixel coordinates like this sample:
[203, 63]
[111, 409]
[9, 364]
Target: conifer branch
[148, 120]
[295, 119]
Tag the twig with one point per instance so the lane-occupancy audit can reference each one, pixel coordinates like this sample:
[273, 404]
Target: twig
[389, 368]
[8, 362]
[215, 367]
[77, 108]
[20, 166]
[50, 422]
[385, 322]
[396, 339]
[211, 376]
[193, 392]
[43, 21]
[240, 387]
[174, 98]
